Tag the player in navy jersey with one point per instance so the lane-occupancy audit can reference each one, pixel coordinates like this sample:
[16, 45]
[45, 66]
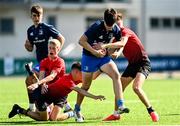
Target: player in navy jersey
[138, 67]
[92, 60]
[38, 35]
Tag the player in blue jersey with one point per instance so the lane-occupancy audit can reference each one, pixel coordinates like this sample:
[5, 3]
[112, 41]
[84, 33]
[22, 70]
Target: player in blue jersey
[102, 31]
[38, 35]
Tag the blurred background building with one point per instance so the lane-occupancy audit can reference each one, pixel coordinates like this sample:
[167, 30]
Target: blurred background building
[157, 23]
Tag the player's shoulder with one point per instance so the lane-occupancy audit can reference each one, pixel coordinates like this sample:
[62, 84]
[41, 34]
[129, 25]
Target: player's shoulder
[30, 28]
[127, 30]
[97, 24]
[61, 60]
[116, 28]
[44, 60]
[45, 25]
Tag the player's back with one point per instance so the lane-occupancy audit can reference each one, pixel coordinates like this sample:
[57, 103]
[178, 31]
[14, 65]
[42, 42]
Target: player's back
[133, 50]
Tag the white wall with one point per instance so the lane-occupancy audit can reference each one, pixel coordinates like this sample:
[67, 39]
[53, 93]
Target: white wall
[162, 41]
[72, 24]
[14, 44]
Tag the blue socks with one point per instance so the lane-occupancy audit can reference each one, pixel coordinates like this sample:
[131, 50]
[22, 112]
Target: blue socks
[120, 103]
[77, 108]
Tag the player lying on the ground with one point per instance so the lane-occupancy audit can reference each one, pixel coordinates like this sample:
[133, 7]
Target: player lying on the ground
[57, 93]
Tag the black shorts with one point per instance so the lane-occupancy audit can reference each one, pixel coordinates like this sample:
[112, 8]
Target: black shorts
[42, 101]
[143, 67]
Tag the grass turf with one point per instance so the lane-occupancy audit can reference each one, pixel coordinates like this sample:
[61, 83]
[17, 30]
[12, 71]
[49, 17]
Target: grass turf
[163, 94]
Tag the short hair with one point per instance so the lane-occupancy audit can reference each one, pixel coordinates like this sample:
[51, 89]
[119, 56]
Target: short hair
[110, 16]
[37, 9]
[55, 42]
[76, 65]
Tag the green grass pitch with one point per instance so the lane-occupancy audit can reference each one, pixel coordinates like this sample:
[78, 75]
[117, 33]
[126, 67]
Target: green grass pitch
[163, 94]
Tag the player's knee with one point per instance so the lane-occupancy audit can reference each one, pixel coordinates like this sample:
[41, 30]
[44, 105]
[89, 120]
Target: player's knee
[116, 76]
[51, 118]
[136, 89]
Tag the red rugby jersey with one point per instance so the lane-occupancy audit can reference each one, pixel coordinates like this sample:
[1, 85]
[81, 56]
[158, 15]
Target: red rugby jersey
[133, 50]
[57, 64]
[62, 87]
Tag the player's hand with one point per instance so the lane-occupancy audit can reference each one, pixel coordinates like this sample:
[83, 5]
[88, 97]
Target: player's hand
[98, 46]
[28, 46]
[115, 55]
[33, 87]
[44, 89]
[100, 97]
[99, 53]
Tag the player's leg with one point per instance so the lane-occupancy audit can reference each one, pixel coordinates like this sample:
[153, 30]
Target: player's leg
[137, 87]
[111, 70]
[88, 65]
[38, 115]
[86, 83]
[30, 79]
[116, 116]
[57, 115]
[67, 107]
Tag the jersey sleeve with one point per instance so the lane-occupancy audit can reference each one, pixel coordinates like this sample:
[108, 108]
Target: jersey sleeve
[53, 31]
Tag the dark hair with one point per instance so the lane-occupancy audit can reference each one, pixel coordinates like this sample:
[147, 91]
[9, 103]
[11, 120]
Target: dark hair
[110, 16]
[37, 9]
[76, 65]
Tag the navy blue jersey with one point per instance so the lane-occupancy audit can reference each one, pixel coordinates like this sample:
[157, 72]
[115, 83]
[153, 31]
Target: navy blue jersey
[98, 33]
[39, 37]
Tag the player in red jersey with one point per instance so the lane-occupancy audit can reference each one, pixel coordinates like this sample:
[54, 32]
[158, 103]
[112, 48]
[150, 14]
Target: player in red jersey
[57, 93]
[51, 68]
[138, 67]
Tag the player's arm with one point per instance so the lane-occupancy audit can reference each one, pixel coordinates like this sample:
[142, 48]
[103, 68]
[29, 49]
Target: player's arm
[83, 42]
[87, 94]
[28, 46]
[48, 78]
[62, 40]
[43, 80]
[118, 44]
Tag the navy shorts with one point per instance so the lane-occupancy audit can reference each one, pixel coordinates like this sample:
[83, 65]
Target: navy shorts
[92, 63]
[143, 67]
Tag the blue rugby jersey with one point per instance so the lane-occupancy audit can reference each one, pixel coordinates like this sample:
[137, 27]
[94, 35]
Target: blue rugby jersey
[97, 33]
[40, 36]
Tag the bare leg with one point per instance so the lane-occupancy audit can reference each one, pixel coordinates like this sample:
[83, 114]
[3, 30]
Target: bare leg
[86, 83]
[112, 71]
[125, 82]
[56, 114]
[137, 87]
[39, 116]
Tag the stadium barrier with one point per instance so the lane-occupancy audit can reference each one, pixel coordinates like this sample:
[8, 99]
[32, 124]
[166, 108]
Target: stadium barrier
[158, 64]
